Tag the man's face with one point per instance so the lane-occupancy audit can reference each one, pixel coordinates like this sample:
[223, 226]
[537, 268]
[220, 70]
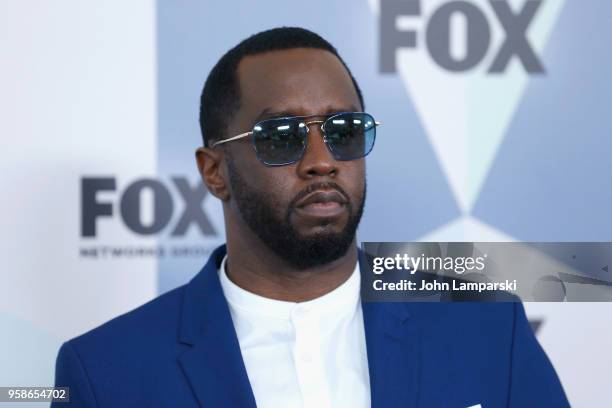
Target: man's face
[281, 205]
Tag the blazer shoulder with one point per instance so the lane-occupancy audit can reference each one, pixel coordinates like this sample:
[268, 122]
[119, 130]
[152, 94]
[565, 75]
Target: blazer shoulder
[156, 320]
[497, 313]
[474, 325]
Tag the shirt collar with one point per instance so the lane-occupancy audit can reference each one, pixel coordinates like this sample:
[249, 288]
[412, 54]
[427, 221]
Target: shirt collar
[344, 298]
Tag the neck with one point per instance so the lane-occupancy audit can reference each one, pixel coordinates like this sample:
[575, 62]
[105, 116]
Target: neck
[254, 267]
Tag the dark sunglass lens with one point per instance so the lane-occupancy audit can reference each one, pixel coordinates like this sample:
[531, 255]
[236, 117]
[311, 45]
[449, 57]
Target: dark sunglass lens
[350, 135]
[279, 141]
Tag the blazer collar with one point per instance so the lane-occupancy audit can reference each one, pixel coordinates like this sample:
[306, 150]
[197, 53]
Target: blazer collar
[393, 340]
[215, 370]
[213, 365]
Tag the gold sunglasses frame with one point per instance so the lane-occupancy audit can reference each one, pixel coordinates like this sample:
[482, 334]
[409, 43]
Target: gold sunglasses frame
[306, 123]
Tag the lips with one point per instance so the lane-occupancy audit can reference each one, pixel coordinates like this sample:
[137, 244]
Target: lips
[322, 205]
[321, 197]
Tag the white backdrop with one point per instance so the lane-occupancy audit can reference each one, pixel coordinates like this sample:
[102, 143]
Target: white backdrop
[79, 82]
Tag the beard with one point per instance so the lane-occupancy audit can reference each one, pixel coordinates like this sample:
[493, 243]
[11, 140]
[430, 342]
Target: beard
[260, 211]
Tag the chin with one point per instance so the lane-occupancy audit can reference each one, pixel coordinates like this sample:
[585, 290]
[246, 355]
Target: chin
[322, 230]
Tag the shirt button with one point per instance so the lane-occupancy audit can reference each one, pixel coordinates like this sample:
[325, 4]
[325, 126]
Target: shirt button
[300, 311]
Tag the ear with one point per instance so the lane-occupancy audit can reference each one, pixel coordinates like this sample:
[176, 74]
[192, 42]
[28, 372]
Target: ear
[212, 171]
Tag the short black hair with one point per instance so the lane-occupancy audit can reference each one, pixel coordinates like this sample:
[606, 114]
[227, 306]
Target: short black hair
[220, 98]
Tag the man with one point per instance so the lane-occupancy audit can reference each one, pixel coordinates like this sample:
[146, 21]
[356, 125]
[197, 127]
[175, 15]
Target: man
[274, 318]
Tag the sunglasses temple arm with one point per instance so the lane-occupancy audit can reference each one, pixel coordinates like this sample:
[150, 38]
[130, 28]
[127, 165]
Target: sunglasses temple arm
[240, 136]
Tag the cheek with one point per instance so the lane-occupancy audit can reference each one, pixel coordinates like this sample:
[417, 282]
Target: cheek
[274, 184]
[355, 180]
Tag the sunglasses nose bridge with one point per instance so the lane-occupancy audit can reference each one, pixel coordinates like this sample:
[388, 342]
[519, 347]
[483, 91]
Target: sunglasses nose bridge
[316, 144]
[309, 123]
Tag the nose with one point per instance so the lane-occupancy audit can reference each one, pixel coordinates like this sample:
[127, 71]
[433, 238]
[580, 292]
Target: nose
[317, 159]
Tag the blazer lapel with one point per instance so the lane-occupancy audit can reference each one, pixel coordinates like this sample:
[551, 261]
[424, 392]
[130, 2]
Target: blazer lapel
[213, 365]
[392, 344]
[215, 370]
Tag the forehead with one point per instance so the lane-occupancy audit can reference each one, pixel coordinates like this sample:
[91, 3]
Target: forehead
[302, 81]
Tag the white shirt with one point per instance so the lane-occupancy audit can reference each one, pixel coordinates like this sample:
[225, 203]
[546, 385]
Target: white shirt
[310, 354]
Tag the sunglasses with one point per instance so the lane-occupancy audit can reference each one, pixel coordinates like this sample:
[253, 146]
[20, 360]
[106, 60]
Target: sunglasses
[282, 141]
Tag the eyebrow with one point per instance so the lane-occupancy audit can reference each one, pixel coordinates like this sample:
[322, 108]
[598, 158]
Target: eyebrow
[270, 113]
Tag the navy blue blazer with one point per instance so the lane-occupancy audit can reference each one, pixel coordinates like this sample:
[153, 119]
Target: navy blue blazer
[181, 350]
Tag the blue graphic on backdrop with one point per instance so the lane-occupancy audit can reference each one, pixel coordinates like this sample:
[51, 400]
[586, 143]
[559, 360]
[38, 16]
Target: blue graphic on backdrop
[548, 164]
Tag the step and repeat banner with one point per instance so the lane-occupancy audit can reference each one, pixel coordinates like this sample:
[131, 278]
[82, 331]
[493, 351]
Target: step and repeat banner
[496, 129]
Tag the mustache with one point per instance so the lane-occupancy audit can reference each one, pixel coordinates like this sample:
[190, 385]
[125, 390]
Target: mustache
[328, 185]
